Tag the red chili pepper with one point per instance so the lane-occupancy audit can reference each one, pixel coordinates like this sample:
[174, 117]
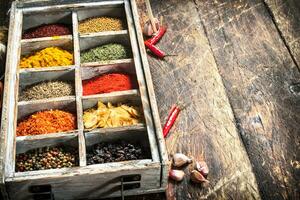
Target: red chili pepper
[156, 51]
[161, 31]
[171, 119]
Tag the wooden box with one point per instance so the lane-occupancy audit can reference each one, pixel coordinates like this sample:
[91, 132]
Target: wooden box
[83, 181]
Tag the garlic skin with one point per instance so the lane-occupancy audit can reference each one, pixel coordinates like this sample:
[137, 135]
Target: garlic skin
[202, 167]
[176, 175]
[180, 159]
[197, 177]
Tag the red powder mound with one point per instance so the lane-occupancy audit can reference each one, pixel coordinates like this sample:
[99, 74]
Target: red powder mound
[47, 31]
[108, 83]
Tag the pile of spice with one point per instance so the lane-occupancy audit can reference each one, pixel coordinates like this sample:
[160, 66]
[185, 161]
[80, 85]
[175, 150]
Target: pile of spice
[46, 158]
[48, 30]
[48, 57]
[46, 90]
[99, 24]
[111, 116]
[108, 83]
[45, 122]
[116, 152]
[112, 51]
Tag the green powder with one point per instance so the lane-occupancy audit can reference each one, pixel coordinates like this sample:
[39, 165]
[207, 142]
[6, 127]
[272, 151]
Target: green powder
[110, 51]
[45, 90]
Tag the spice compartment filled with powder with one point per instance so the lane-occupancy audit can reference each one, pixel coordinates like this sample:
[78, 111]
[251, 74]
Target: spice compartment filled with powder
[61, 138]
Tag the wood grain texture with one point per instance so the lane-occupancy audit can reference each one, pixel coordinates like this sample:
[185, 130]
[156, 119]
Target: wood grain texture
[286, 14]
[258, 70]
[205, 129]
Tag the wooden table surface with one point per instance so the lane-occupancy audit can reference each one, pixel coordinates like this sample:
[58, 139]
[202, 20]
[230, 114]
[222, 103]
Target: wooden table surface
[238, 71]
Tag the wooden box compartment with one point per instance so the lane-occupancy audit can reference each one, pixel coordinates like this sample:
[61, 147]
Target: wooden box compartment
[83, 181]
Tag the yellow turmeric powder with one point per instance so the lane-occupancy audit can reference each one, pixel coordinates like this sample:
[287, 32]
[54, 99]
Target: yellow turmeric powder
[48, 57]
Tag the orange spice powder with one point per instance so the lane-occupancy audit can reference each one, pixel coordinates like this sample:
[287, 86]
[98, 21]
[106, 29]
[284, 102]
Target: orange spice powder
[44, 122]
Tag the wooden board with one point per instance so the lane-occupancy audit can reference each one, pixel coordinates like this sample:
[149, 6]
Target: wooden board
[206, 128]
[258, 71]
[286, 14]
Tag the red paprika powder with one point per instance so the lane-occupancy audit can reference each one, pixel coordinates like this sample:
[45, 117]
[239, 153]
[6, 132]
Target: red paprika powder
[108, 83]
[49, 30]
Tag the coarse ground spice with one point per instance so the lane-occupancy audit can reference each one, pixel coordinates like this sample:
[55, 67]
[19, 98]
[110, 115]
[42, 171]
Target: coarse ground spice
[99, 24]
[112, 51]
[48, 30]
[108, 83]
[45, 90]
[46, 158]
[44, 122]
[48, 57]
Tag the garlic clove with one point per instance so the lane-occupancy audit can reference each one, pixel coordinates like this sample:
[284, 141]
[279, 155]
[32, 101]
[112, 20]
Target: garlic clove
[176, 175]
[148, 30]
[202, 167]
[180, 159]
[197, 177]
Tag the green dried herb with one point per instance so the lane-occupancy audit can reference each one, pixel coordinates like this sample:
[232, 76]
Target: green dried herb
[45, 90]
[112, 51]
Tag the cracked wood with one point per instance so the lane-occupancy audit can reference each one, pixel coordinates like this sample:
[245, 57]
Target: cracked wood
[258, 71]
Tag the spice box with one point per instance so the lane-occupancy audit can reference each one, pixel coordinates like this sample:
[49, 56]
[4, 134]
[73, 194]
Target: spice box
[87, 160]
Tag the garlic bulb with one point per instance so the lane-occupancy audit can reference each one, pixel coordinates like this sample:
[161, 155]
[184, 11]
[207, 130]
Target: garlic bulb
[148, 30]
[180, 159]
[176, 175]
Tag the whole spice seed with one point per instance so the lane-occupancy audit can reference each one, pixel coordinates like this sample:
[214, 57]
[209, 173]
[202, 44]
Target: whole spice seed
[46, 158]
[45, 122]
[111, 116]
[45, 90]
[99, 24]
[48, 57]
[108, 83]
[112, 51]
[48, 30]
[115, 152]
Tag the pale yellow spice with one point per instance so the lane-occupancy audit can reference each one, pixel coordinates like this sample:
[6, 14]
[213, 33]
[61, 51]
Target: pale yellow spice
[99, 24]
[48, 57]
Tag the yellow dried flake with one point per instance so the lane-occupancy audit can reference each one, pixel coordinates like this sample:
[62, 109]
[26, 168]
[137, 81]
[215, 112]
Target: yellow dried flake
[111, 116]
[48, 57]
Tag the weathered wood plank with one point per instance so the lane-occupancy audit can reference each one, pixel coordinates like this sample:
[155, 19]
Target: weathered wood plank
[205, 129]
[258, 70]
[286, 14]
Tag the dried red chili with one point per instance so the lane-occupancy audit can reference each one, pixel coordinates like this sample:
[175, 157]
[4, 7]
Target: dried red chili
[161, 31]
[155, 50]
[49, 30]
[171, 119]
[44, 122]
[108, 83]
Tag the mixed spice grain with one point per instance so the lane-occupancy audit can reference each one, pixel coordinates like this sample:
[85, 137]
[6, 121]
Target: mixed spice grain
[46, 90]
[46, 158]
[48, 57]
[99, 24]
[45, 122]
